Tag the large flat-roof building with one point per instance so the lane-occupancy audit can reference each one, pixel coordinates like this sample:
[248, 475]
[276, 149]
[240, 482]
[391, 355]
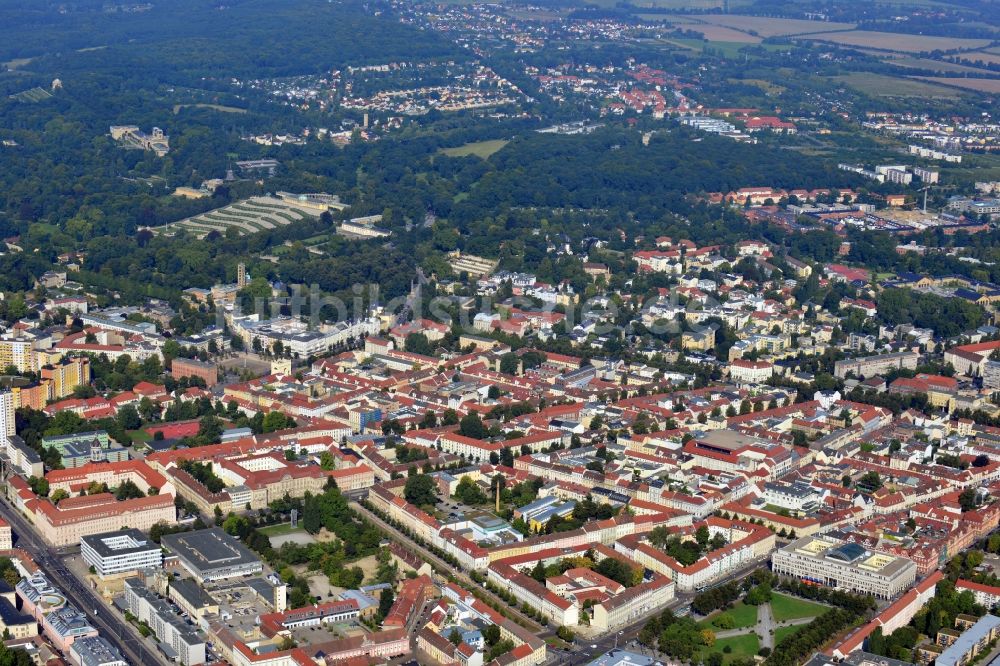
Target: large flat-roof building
[211, 554]
[845, 566]
[95, 651]
[123, 551]
[191, 599]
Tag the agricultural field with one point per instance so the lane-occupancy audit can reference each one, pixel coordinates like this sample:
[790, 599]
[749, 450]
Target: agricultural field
[535, 15]
[979, 85]
[246, 217]
[771, 27]
[673, 4]
[879, 85]
[936, 65]
[719, 33]
[985, 57]
[481, 149]
[892, 41]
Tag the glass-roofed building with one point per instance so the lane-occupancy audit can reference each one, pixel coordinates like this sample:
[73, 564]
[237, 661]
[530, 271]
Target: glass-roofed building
[823, 560]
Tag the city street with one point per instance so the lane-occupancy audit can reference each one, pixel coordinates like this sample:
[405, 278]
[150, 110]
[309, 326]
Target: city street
[119, 633]
[441, 565]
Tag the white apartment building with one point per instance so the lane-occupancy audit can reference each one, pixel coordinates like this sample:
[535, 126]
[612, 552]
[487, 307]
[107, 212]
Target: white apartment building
[123, 551]
[792, 496]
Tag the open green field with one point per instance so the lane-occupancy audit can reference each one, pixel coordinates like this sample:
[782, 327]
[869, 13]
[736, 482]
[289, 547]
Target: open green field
[139, 435]
[791, 608]
[743, 616]
[481, 149]
[742, 647]
[246, 217]
[281, 529]
[781, 633]
[726, 49]
[880, 85]
[215, 107]
[767, 86]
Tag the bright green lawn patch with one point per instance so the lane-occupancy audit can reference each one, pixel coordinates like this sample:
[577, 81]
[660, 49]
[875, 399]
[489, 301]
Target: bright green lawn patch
[781, 633]
[880, 85]
[742, 614]
[281, 529]
[481, 149]
[139, 435]
[790, 608]
[742, 647]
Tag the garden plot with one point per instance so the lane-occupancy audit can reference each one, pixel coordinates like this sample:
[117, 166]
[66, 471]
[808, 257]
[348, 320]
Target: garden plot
[246, 217]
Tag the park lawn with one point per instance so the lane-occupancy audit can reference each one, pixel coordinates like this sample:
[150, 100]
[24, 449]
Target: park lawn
[790, 608]
[280, 529]
[743, 616]
[781, 633]
[139, 435]
[742, 647]
[481, 149]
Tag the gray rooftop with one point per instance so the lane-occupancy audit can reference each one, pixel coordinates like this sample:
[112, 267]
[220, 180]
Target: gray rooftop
[120, 542]
[954, 654]
[209, 549]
